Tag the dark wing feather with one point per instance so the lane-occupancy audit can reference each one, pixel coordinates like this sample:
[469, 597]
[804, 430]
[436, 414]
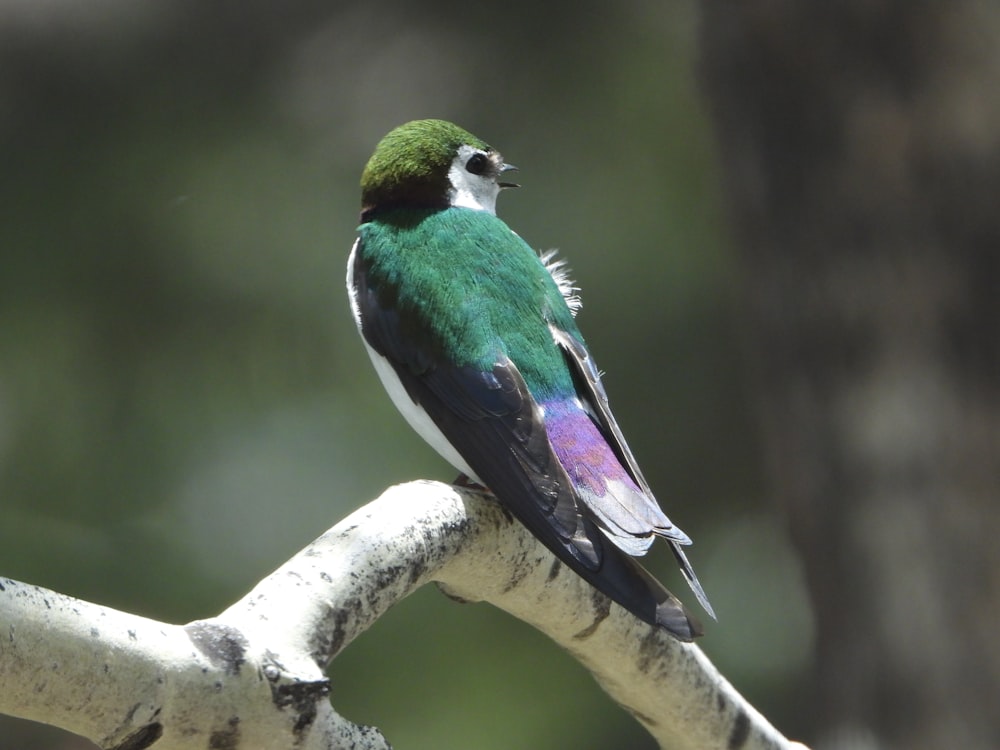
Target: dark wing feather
[591, 390]
[494, 423]
[496, 426]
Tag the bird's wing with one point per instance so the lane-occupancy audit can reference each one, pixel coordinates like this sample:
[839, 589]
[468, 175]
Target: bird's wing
[494, 423]
[591, 391]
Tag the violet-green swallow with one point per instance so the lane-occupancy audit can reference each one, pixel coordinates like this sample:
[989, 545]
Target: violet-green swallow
[474, 337]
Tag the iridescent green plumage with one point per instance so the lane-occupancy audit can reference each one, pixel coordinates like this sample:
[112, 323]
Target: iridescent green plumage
[474, 337]
[469, 310]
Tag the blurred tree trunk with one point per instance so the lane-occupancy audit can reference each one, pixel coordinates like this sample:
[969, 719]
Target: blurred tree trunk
[860, 146]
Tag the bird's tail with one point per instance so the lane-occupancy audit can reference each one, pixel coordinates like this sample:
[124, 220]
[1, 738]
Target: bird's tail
[620, 577]
[692, 579]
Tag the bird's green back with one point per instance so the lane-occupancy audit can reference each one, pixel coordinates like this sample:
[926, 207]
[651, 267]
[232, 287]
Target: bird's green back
[470, 289]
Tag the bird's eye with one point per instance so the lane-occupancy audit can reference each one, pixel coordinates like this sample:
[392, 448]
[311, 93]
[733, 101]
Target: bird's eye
[477, 164]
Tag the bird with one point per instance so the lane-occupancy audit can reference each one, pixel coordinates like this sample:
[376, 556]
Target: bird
[474, 336]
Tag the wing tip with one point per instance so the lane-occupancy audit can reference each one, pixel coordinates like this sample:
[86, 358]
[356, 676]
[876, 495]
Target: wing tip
[673, 617]
[692, 579]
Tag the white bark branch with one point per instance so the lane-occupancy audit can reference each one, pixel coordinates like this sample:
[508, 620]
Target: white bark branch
[253, 676]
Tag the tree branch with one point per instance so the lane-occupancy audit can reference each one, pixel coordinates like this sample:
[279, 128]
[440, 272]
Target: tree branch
[253, 676]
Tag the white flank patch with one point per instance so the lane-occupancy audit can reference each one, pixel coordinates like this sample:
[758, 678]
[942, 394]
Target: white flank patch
[558, 269]
[352, 293]
[415, 415]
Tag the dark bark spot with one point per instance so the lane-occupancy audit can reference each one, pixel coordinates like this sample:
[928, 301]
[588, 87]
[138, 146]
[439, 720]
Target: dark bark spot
[228, 738]
[224, 646]
[740, 732]
[141, 738]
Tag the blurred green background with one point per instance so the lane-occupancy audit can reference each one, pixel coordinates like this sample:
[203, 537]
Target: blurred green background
[184, 401]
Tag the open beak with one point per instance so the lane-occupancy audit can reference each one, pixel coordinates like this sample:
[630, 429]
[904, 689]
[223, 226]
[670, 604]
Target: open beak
[508, 168]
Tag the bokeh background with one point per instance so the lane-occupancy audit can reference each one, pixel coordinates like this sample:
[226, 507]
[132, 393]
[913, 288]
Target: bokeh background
[184, 401]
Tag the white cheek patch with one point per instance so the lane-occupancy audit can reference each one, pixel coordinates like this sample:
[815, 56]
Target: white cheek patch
[472, 190]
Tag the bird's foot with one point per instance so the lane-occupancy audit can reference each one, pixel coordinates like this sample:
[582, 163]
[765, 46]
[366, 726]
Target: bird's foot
[470, 484]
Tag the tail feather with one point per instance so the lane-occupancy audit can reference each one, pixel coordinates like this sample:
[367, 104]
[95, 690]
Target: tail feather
[692, 579]
[626, 582]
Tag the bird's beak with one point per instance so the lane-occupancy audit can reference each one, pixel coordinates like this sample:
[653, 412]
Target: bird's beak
[508, 168]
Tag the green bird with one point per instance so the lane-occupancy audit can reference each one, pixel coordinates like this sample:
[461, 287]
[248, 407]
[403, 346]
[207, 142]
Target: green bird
[474, 336]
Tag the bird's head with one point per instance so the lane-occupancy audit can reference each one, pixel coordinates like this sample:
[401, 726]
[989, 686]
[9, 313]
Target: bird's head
[432, 164]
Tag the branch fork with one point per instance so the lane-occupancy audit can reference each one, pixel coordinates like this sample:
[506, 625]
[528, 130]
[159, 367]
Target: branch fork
[253, 677]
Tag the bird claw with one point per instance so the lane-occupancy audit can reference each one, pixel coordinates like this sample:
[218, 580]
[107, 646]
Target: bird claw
[470, 484]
